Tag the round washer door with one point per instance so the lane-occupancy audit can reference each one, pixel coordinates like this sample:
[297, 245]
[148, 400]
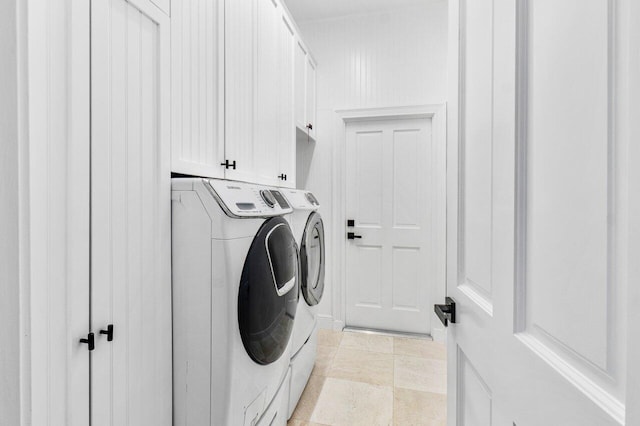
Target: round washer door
[312, 260]
[268, 294]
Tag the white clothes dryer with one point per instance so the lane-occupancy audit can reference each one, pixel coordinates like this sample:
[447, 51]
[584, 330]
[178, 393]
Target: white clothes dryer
[308, 228]
[235, 295]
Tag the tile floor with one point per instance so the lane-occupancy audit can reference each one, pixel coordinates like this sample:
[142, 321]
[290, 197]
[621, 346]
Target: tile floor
[366, 379]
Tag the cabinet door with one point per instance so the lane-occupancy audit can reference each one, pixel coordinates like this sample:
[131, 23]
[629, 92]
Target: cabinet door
[286, 121]
[130, 214]
[197, 65]
[300, 85]
[251, 74]
[311, 97]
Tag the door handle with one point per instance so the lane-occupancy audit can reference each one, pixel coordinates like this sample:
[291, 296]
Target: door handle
[352, 236]
[446, 312]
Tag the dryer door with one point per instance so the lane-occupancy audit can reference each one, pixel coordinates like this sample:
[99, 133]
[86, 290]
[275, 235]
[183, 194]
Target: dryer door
[268, 294]
[312, 260]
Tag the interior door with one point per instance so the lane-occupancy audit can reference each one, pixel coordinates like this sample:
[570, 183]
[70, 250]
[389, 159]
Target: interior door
[130, 214]
[539, 198]
[391, 270]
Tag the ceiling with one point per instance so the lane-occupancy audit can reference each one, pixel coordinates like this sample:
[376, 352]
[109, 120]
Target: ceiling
[308, 10]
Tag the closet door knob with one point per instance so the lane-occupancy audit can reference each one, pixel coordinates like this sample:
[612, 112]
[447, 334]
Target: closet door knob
[90, 341]
[108, 332]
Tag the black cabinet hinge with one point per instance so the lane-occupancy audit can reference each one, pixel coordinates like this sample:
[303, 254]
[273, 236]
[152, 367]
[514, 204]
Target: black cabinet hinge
[229, 165]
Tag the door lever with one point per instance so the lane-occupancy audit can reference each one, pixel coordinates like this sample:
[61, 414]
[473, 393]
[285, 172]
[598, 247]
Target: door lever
[446, 312]
[108, 332]
[352, 236]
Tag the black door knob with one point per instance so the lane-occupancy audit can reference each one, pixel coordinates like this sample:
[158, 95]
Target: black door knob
[108, 332]
[352, 236]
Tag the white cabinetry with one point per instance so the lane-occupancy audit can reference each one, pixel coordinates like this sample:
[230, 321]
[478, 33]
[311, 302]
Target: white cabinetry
[242, 81]
[305, 90]
[197, 68]
[311, 96]
[259, 123]
[301, 85]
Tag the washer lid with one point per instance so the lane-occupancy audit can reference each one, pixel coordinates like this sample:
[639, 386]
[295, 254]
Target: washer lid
[268, 294]
[312, 260]
[245, 200]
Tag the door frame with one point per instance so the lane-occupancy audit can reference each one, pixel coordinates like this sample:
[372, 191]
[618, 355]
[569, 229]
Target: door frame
[438, 115]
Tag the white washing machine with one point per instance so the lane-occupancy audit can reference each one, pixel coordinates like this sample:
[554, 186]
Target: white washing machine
[308, 229]
[235, 295]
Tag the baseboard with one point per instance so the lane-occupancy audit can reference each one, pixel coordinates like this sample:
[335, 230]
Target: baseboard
[439, 335]
[328, 323]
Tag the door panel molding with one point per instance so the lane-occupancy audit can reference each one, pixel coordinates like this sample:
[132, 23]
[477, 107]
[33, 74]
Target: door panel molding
[600, 378]
[476, 282]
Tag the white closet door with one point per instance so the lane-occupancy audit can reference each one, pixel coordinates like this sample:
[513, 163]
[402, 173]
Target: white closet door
[130, 214]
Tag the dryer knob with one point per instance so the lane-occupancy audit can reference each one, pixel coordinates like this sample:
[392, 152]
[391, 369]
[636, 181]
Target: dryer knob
[268, 198]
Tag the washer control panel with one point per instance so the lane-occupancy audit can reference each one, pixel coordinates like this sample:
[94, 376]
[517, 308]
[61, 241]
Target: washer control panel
[239, 199]
[301, 200]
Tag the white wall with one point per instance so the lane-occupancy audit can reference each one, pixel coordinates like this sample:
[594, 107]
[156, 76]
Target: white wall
[385, 59]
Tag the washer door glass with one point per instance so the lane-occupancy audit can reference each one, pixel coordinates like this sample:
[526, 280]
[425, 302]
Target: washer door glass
[312, 260]
[268, 294]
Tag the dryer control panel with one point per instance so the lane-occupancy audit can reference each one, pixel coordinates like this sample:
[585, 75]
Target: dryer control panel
[301, 200]
[239, 199]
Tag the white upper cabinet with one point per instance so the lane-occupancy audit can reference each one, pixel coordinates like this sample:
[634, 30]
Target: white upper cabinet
[259, 117]
[286, 119]
[305, 90]
[242, 82]
[197, 58]
[311, 97]
[301, 85]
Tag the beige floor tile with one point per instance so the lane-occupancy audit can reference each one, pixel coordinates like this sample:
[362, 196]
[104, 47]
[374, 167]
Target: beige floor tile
[293, 422]
[415, 408]
[324, 359]
[309, 399]
[419, 348]
[362, 366]
[329, 337]
[367, 342]
[348, 403]
[422, 374]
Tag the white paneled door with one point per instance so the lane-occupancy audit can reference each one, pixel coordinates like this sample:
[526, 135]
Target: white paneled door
[391, 194]
[539, 213]
[130, 214]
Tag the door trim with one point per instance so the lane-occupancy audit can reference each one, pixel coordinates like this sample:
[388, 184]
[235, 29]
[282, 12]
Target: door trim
[435, 112]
